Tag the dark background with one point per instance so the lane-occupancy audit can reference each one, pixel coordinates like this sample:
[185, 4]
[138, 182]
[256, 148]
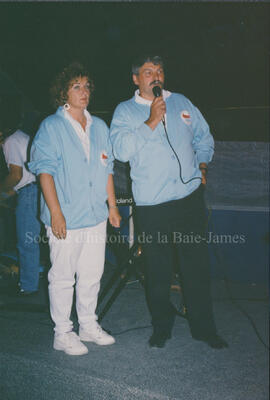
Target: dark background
[217, 54]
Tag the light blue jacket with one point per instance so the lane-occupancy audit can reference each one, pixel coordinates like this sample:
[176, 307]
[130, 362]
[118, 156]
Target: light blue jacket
[154, 167]
[80, 185]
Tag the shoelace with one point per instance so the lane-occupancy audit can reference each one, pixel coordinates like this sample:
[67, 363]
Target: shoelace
[99, 330]
[73, 338]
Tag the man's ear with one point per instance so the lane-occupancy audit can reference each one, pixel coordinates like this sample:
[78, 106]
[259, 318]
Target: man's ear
[135, 79]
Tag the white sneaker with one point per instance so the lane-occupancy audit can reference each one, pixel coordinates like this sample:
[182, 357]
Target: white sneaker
[97, 335]
[69, 343]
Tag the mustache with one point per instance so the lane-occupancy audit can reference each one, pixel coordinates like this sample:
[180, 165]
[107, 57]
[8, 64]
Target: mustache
[156, 83]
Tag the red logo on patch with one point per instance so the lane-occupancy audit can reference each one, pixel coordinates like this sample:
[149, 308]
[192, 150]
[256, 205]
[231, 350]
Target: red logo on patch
[185, 115]
[103, 158]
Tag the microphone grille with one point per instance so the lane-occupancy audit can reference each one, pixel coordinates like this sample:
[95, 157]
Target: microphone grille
[156, 91]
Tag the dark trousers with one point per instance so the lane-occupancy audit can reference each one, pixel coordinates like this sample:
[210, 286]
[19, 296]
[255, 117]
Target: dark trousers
[179, 227]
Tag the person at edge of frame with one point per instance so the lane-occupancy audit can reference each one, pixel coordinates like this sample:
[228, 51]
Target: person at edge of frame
[168, 145]
[72, 156]
[21, 183]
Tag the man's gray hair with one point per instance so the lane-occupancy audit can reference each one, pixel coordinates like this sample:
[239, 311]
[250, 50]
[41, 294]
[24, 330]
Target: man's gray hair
[138, 63]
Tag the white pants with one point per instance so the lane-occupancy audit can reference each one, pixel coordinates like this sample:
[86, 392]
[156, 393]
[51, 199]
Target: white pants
[81, 254]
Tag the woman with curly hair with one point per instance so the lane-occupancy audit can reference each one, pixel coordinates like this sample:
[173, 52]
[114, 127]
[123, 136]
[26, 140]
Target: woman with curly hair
[72, 156]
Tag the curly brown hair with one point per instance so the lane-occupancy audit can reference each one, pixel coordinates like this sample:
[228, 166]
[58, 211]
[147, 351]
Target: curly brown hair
[64, 80]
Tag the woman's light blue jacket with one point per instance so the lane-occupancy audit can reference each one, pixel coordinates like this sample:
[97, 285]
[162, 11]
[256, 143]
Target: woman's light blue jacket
[80, 184]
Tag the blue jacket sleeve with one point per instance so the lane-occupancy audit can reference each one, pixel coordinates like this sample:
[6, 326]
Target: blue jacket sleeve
[203, 142]
[127, 139]
[45, 154]
[109, 150]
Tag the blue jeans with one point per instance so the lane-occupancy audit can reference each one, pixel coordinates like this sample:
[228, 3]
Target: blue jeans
[28, 234]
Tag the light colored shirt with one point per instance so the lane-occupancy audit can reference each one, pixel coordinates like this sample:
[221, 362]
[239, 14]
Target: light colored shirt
[15, 151]
[141, 100]
[84, 136]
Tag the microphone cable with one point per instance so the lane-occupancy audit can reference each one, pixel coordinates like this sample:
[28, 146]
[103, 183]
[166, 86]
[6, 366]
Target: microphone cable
[157, 93]
[176, 155]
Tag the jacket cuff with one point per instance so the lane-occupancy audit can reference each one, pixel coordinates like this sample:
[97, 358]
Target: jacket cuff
[203, 158]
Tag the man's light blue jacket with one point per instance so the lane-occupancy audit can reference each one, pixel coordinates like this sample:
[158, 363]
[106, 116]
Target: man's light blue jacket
[155, 170]
[80, 185]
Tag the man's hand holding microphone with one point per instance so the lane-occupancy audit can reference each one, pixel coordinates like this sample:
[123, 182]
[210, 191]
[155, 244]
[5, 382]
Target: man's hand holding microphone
[157, 110]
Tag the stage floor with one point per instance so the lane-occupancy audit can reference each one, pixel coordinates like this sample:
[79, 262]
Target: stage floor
[185, 369]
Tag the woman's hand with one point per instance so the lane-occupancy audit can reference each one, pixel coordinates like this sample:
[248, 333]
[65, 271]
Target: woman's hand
[114, 217]
[58, 224]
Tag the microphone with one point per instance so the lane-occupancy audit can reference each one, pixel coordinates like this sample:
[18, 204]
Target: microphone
[157, 93]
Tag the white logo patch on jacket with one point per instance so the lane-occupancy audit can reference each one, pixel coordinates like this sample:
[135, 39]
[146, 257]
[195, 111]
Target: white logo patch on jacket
[186, 118]
[103, 158]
